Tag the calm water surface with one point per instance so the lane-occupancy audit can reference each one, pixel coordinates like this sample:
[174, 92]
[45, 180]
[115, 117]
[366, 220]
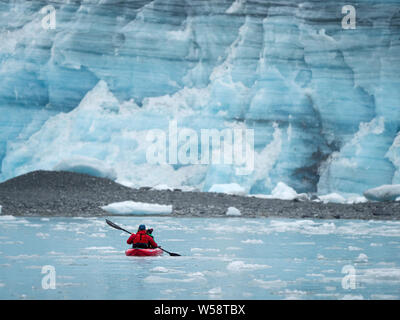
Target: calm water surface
[222, 258]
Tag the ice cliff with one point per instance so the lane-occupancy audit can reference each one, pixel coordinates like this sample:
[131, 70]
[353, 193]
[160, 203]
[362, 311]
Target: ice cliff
[323, 101]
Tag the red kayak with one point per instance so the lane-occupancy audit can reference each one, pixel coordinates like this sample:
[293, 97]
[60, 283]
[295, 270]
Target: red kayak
[144, 252]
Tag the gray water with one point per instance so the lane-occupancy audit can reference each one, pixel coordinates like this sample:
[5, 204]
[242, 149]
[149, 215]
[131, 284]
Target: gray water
[222, 258]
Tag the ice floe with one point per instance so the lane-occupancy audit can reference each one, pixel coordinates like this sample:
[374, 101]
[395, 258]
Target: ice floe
[383, 193]
[139, 208]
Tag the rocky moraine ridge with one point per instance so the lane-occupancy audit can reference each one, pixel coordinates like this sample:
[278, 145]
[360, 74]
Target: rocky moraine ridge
[58, 193]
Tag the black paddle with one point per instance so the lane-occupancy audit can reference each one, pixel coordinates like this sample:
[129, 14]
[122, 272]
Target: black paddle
[112, 224]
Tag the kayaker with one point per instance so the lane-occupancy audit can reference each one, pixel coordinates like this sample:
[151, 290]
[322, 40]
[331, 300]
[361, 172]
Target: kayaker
[141, 239]
[150, 233]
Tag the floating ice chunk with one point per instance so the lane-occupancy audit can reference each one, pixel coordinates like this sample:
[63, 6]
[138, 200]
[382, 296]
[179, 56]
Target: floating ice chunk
[252, 241]
[97, 235]
[237, 266]
[99, 248]
[230, 188]
[204, 250]
[332, 198]
[352, 248]
[380, 276]
[362, 258]
[376, 244]
[232, 211]
[90, 166]
[42, 235]
[160, 269]
[383, 193]
[131, 207]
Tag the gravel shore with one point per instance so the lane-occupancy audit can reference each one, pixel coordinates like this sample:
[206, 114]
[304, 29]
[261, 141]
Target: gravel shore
[58, 193]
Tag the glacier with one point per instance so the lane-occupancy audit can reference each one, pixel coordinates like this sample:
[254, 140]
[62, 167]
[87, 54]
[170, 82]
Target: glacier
[323, 101]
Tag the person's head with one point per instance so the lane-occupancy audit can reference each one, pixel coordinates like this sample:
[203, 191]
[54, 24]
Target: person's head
[142, 227]
[150, 231]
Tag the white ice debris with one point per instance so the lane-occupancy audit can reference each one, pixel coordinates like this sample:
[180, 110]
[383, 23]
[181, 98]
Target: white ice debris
[332, 197]
[362, 257]
[385, 192]
[237, 266]
[232, 211]
[131, 207]
[283, 192]
[230, 188]
[252, 241]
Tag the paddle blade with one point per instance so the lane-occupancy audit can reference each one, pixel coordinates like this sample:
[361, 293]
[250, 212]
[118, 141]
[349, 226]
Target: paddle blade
[111, 224]
[174, 254]
[170, 253]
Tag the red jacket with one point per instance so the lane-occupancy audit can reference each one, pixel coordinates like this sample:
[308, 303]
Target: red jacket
[141, 237]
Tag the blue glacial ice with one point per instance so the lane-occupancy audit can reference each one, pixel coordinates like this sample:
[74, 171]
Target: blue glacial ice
[323, 101]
